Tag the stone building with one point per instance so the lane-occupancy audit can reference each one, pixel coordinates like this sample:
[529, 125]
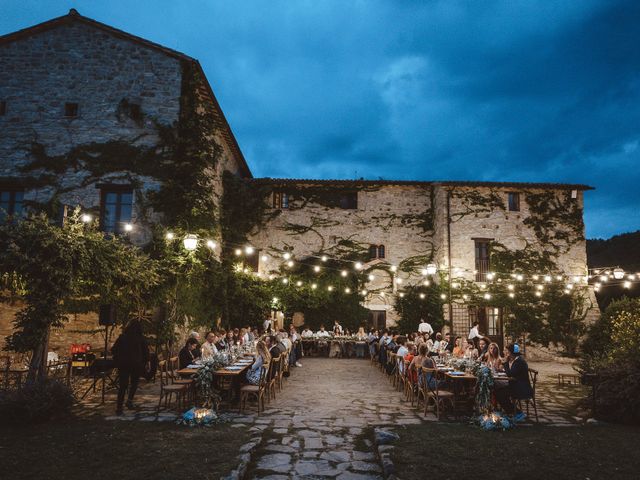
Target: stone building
[72, 84]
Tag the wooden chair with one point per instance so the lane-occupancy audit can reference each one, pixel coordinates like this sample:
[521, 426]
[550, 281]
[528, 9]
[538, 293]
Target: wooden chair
[399, 374]
[434, 394]
[272, 378]
[410, 387]
[256, 391]
[390, 369]
[173, 364]
[168, 390]
[284, 360]
[533, 378]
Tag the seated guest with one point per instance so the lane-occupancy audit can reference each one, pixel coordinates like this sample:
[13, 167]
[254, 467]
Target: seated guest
[307, 333]
[437, 344]
[471, 352]
[410, 355]
[230, 341]
[222, 340]
[236, 337]
[263, 358]
[337, 328]
[449, 345]
[372, 339]
[458, 349]
[483, 346]
[416, 362]
[492, 358]
[250, 334]
[323, 345]
[209, 349]
[243, 337]
[515, 366]
[187, 356]
[196, 335]
[429, 362]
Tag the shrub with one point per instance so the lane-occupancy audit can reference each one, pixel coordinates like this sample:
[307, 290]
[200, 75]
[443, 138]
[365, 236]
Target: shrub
[610, 351]
[35, 403]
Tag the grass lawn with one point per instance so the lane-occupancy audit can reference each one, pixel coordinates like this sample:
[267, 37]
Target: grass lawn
[100, 449]
[438, 451]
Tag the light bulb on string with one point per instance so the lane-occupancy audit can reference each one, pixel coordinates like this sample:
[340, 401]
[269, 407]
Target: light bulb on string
[535, 277]
[170, 236]
[398, 281]
[364, 293]
[330, 288]
[371, 278]
[443, 296]
[347, 290]
[344, 273]
[432, 269]
[238, 252]
[298, 283]
[249, 250]
[211, 244]
[511, 294]
[618, 273]
[487, 296]
[519, 277]
[286, 255]
[128, 227]
[324, 258]
[316, 268]
[426, 283]
[401, 294]
[358, 266]
[422, 296]
[264, 258]
[394, 268]
[285, 280]
[510, 287]
[314, 286]
[290, 263]
[538, 293]
[547, 278]
[627, 284]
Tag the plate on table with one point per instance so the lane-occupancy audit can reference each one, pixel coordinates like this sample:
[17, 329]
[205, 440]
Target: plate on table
[501, 374]
[233, 368]
[194, 366]
[456, 373]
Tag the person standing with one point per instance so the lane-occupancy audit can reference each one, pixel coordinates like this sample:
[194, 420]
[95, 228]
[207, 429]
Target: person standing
[474, 333]
[425, 327]
[130, 355]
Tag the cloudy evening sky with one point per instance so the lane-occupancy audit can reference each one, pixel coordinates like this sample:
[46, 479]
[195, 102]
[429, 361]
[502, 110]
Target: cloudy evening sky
[507, 90]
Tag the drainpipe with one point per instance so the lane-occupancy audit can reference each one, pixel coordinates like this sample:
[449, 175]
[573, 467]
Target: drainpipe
[449, 258]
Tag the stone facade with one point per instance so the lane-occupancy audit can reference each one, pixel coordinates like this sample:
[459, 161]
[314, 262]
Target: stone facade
[73, 59]
[410, 220]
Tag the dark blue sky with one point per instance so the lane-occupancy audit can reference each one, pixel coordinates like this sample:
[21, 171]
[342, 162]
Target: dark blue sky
[480, 90]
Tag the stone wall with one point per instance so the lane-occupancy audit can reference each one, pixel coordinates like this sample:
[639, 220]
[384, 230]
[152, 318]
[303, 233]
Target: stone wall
[391, 215]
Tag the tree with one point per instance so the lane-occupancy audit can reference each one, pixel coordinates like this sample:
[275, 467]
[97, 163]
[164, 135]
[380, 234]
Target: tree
[55, 268]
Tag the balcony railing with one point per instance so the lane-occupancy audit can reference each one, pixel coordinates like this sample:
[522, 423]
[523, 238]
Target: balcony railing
[482, 268]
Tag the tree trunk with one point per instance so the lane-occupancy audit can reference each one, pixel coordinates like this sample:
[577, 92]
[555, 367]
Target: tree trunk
[38, 363]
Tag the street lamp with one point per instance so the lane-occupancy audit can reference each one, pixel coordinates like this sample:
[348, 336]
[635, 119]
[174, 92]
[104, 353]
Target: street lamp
[190, 242]
[86, 218]
[618, 273]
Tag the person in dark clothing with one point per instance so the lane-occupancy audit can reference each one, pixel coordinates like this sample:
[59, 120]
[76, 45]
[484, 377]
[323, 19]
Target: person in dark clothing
[187, 355]
[517, 369]
[130, 355]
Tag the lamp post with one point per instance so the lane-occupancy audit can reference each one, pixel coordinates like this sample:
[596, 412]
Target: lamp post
[190, 242]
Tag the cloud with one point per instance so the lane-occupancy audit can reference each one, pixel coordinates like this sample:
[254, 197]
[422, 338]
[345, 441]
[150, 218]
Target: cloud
[443, 89]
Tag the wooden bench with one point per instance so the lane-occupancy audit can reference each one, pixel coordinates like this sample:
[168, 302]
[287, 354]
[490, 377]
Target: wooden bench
[568, 379]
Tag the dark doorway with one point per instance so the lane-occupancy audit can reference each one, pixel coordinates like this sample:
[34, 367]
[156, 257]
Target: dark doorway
[378, 319]
[490, 320]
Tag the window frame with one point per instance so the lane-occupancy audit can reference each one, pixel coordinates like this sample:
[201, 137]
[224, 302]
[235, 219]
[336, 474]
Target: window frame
[382, 251]
[482, 270]
[280, 200]
[119, 190]
[348, 200]
[74, 105]
[12, 191]
[516, 197]
[3, 108]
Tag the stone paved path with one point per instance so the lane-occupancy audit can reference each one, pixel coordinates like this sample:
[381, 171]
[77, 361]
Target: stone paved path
[317, 427]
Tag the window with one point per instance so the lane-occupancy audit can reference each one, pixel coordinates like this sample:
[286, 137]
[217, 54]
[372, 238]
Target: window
[251, 261]
[377, 251]
[70, 110]
[482, 259]
[115, 209]
[349, 200]
[514, 202]
[280, 200]
[489, 318]
[10, 204]
[3, 108]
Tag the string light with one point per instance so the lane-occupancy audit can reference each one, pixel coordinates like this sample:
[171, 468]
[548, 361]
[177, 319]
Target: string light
[344, 273]
[519, 278]
[170, 236]
[86, 218]
[431, 269]
[211, 244]
[324, 258]
[422, 296]
[314, 286]
[394, 268]
[511, 295]
[627, 284]
[398, 281]
[490, 276]
[286, 256]
[238, 252]
[316, 268]
[330, 288]
[249, 250]
[128, 227]
[371, 278]
[285, 280]
[264, 258]
[364, 293]
[538, 293]
[401, 294]
[298, 283]
[487, 296]
[347, 290]
[290, 263]
[443, 296]
[358, 266]
[547, 278]
[510, 287]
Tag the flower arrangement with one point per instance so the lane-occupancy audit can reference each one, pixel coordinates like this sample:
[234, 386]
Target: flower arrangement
[205, 378]
[485, 387]
[198, 417]
[494, 421]
[464, 364]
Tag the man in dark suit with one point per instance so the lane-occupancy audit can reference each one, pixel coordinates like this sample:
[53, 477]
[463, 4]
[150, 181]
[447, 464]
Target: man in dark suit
[130, 355]
[517, 370]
